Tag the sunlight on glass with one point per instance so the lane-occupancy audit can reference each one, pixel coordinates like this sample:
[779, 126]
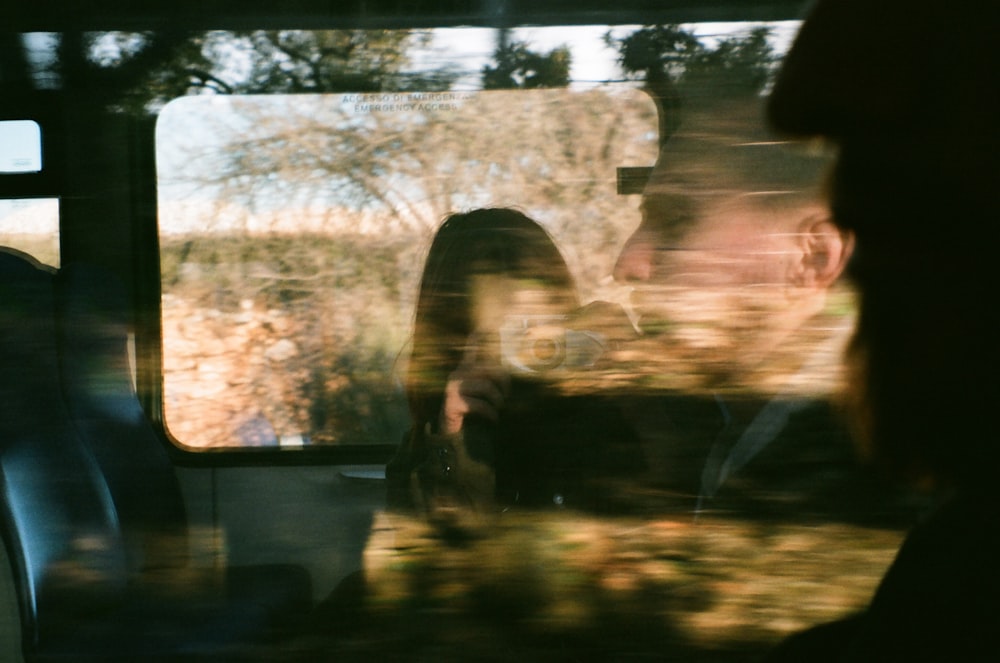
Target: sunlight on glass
[20, 146]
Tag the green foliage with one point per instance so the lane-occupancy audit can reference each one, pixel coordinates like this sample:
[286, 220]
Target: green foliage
[140, 72]
[657, 51]
[336, 297]
[519, 67]
[551, 153]
[741, 65]
[124, 71]
[298, 61]
[278, 270]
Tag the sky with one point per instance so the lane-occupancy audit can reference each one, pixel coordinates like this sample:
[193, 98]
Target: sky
[592, 60]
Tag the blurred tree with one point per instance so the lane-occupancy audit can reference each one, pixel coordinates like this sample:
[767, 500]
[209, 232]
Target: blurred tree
[657, 52]
[140, 72]
[296, 61]
[14, 69]
[517, 66]
[675, 64]
[659, 56]
[738, 66]
[120, 70]
[743, 63]
[552, 153]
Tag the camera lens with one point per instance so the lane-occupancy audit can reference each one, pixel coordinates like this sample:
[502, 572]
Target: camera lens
[545, 350]
[546, 353]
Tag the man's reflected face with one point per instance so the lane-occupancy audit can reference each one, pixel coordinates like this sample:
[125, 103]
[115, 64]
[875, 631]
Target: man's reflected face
[716, 285]
[731, 244]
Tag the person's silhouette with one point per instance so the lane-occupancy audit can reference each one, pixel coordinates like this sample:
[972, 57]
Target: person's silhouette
[909, 92]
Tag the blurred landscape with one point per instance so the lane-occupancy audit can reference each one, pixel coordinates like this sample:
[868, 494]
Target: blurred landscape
[285, 336]
[568, 587]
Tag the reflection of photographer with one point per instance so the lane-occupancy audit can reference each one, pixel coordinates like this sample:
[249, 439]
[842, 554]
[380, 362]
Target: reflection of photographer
[497, 309]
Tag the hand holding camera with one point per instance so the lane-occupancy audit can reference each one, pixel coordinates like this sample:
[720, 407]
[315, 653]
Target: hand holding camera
[477, 387]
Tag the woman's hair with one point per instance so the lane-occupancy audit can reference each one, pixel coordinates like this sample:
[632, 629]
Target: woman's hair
[494, 241]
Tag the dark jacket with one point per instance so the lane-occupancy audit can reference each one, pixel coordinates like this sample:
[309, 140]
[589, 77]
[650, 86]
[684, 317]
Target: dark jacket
[548, 449]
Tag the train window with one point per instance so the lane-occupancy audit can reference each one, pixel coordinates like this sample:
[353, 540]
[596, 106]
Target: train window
[293, 229]
[20, 146]
[31, 225]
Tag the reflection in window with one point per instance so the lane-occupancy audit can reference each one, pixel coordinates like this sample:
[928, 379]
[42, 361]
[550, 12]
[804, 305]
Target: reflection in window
[293, 230]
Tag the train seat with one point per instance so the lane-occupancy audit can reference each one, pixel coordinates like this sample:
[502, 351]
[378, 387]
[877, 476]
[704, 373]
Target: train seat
[93, 516]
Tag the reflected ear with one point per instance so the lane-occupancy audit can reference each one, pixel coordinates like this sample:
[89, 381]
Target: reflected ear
[826, 250]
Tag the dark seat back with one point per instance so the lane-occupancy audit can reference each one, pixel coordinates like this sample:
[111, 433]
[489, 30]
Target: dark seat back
[57, 515]
[91, 502]
[97, 380]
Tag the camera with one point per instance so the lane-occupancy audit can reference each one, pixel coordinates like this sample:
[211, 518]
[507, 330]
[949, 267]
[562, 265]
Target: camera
[545, 344]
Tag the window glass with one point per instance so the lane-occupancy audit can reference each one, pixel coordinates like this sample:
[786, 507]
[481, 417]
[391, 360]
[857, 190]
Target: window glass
[293, 230]
[32, 226]
[20, 146]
